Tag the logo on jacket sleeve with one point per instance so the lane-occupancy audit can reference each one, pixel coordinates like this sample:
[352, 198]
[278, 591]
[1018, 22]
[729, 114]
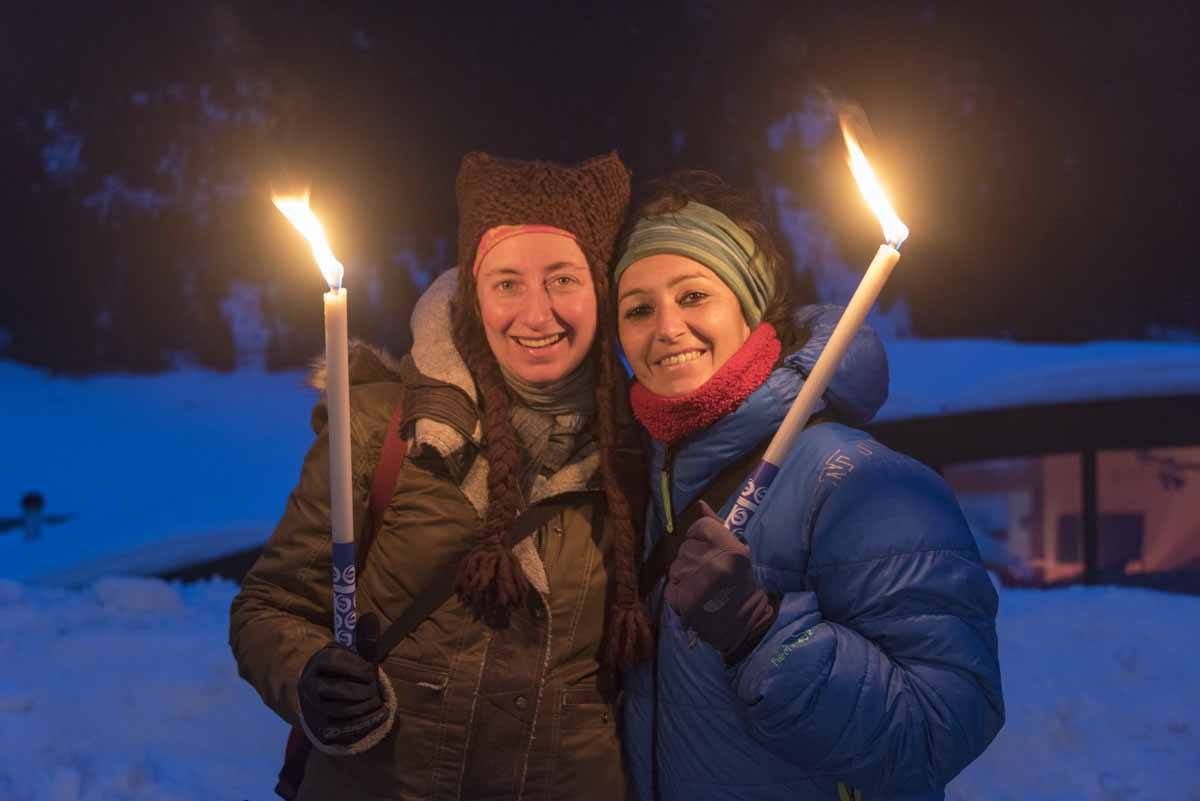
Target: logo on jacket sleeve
[836, 467]
[798, 641]
[838, 464]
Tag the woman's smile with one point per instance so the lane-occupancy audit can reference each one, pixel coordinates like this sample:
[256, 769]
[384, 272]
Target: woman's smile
[678, 323]
[679, 360]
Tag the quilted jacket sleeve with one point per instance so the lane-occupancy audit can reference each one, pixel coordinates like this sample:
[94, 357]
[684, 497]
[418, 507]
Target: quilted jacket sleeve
[886, 673]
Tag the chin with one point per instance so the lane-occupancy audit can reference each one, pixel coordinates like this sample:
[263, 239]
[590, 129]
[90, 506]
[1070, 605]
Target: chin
[676, 387]
[543, 373]
[672, 389]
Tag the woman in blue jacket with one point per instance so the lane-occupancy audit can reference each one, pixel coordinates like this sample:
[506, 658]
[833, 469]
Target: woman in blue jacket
[847, 649]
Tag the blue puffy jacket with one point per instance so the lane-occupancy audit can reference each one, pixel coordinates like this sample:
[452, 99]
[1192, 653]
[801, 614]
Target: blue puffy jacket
[880, 678]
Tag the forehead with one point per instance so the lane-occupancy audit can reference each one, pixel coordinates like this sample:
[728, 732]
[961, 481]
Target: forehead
[655, 272]
[533, 252]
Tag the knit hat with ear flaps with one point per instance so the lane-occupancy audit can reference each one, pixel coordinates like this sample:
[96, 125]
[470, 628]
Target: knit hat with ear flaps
[589, 201]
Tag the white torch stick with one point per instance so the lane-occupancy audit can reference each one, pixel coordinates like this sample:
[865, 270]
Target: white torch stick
[755, 488]
[337, 400]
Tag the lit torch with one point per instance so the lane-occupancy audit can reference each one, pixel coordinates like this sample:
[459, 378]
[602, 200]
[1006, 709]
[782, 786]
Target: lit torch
[337, 399]
[754, 489]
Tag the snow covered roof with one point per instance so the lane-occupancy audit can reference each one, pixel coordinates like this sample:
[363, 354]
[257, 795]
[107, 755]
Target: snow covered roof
[942, 377]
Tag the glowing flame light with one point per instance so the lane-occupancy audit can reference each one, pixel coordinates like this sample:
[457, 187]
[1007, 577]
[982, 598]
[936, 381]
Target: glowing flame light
[295, 208]
[894, 231]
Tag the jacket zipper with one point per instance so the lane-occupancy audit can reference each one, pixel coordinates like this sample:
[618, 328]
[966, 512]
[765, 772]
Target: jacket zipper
[847, 792]
[664, 488]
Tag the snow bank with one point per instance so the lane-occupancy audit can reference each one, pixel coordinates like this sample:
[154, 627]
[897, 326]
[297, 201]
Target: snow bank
[127, 690]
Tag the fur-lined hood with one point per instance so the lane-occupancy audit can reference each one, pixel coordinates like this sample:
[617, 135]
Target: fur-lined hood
[368, 364]
[433, 350]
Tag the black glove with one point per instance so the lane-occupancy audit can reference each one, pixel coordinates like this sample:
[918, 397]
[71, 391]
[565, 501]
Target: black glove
[340, 696]
[712, 588]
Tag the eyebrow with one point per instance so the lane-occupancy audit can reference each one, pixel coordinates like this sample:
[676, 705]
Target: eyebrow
[556, 266]
[491, 271]
[565, 265]
[676, 280]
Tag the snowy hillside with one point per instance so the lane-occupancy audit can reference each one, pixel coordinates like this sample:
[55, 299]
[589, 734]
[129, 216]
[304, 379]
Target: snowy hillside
[159, 471]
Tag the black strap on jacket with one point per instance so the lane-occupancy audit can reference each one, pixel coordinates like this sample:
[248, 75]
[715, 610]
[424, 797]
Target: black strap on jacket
[372, 645]
[439, 590]
[727, 482]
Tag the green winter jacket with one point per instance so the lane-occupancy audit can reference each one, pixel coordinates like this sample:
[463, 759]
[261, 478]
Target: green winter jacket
[521, 712]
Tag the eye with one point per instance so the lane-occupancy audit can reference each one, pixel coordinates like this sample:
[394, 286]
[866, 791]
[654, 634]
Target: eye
[563, 281]
[640, 310]
[506, 285]
[693, 296]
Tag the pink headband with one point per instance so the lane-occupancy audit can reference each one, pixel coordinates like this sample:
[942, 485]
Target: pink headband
[494, 236]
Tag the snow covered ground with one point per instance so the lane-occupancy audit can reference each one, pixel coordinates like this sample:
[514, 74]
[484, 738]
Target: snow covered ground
[153, 470]
[126, 690]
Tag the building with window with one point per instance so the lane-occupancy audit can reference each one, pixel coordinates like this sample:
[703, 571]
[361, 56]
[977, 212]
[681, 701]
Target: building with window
[1071, 462]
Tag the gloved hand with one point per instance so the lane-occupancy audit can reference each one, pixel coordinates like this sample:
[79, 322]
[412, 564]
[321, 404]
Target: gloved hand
[342, 700]
[712, 588]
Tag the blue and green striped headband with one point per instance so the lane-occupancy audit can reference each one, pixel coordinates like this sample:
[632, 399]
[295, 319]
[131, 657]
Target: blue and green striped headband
[705, 235]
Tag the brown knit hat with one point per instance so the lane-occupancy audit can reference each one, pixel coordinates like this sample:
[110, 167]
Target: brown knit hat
[588, 200]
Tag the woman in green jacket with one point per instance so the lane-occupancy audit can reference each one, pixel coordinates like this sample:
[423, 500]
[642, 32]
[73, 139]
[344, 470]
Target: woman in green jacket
[508, 689]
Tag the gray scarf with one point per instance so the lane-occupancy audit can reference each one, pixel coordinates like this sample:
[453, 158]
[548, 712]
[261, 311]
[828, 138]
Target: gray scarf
[551, 420]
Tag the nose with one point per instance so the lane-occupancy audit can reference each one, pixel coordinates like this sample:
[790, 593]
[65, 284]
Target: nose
[537, 312]
[669, 325]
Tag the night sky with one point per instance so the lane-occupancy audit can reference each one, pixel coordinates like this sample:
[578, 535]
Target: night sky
[1044, 158]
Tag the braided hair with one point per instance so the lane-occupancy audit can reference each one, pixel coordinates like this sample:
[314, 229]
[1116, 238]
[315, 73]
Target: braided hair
[589, 201]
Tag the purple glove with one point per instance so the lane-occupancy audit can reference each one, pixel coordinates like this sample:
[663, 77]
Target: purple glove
[712, 588]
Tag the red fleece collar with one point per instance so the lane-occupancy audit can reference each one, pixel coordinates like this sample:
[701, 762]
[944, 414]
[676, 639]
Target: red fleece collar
[671, 419]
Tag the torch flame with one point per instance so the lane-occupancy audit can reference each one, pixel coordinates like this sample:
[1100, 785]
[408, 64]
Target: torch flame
[295, 208]
[894, 231]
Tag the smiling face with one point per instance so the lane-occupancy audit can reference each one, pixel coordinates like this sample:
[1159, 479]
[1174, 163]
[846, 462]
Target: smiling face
[538, 305]
[678, 323]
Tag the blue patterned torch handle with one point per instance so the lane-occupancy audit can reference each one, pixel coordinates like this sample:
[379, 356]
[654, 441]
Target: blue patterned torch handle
[751, 496]
[345, 615]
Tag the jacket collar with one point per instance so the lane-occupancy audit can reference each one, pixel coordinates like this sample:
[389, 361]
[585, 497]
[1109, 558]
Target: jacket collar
[433, 349]
[856, 392]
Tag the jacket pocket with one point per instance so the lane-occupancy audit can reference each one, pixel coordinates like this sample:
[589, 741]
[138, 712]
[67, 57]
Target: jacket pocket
[588, 759]
[402, 765]
[420, 688]
[585, 709]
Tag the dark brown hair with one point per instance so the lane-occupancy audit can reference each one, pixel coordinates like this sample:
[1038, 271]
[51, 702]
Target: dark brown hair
[673, 192]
